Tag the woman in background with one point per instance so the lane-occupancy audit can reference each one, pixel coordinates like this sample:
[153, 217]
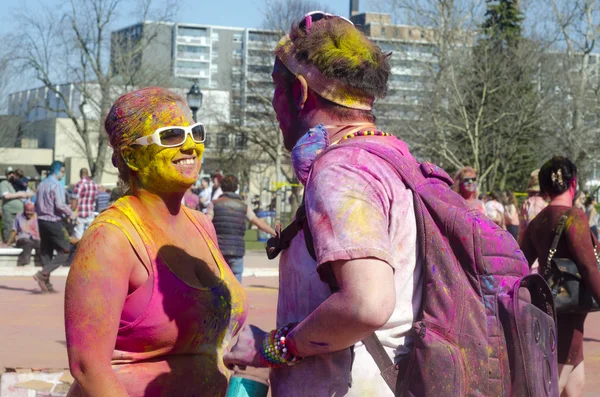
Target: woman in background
[511, 214]
[558, 179]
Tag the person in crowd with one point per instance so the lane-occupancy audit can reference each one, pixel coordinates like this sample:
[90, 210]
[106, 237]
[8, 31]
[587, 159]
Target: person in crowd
[150, 304]
[116, 193]
[216, 191]
[558, 179]
[12, 203]
[191, 199]
[494, 208]
[20, 182]
[102, 198]
[83, 201]
[465, 183]
[26, 234]
[229, 214]
[361, 217]
[579, 200]
[51, 207]
[534, 204]
[511, 214]
[592, 214]
[205, 194]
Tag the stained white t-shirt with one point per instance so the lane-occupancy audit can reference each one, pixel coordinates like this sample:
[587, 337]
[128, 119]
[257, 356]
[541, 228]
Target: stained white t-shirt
[357, 208]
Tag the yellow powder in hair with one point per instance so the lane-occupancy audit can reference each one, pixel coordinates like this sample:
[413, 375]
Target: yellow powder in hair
[349, 48]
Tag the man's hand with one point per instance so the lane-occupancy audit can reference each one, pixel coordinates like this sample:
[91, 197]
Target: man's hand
[247, 350]
[26, 195]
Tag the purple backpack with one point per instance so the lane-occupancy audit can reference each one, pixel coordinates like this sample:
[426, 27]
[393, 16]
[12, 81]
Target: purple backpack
[486, 327]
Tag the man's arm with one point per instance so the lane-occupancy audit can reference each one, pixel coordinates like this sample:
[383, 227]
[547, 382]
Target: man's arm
[61, 205]
[210, 211]
[364, 303]
[12, 238]
[259, 223]
[17, 195]
[75, 197]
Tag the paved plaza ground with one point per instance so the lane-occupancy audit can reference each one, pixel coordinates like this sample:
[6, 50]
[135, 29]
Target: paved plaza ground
[32, 329]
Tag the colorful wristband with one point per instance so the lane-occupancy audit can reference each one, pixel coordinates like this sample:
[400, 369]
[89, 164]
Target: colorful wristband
[275, 350]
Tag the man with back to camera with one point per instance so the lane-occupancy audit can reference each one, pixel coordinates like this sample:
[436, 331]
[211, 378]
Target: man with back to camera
[229, 214]
[327, 75]
[84, 202]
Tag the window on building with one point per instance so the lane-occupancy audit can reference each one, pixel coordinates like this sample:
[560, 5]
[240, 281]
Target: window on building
[29, 143]
[237, 37]
[214, 36]
[240, 141]
[189, 31]
[208, 141]
[222, 141]
[192, 65]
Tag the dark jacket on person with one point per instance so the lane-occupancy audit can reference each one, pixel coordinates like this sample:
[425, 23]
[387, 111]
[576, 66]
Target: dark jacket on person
[230, 224]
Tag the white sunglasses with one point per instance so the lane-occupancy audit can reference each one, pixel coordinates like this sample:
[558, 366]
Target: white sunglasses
[315, 16]
[173, 136]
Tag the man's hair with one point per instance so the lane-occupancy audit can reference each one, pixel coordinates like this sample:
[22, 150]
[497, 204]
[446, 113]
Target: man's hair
[341, 52]
[56, 166]
[206, 179]
[83, 171]
[229, 183]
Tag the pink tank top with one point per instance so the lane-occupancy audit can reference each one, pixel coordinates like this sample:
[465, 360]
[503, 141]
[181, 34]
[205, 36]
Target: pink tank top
[174, 348]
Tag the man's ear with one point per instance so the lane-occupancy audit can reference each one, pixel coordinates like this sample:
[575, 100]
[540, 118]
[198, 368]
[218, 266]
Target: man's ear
[129, 158]
[300, 92]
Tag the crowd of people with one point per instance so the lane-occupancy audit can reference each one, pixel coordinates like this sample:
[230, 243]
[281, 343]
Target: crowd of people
[394, 279]
[35, 217]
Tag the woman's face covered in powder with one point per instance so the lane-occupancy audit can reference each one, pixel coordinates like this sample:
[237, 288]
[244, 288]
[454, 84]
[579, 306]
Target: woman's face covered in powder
[161, 169]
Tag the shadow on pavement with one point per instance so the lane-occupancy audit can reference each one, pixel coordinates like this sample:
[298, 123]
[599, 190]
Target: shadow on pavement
[34, 291]
[262, 286]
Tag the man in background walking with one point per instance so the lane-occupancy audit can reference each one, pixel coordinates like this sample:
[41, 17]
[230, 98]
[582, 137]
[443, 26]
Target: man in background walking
[51, 206]
[84, 202]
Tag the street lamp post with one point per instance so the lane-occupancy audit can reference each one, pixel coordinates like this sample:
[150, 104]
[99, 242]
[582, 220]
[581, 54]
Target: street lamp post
[194, 100]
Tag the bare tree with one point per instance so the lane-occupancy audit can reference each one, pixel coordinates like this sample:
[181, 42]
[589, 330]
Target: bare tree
[257, 119]
[477, 103]
[74, 46]
[573, 124]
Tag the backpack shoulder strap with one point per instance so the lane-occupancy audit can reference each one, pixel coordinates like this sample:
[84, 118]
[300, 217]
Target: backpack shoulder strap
[559, 229]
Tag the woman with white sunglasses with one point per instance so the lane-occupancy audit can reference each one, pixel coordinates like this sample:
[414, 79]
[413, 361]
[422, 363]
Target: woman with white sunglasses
[150, 303]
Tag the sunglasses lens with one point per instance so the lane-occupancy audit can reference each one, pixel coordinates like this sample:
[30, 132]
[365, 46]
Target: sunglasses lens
[198, 133]
[172, 136]
[468, 180]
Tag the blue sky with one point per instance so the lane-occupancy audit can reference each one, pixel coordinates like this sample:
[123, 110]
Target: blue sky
[247, 13]
[244, 13]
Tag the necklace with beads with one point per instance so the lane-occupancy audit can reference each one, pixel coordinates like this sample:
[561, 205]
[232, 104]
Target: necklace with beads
[366, 133]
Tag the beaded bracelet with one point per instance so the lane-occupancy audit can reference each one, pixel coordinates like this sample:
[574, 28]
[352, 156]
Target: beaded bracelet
[274, 348]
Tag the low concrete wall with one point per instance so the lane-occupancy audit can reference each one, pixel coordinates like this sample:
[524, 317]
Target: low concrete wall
[9, 256]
